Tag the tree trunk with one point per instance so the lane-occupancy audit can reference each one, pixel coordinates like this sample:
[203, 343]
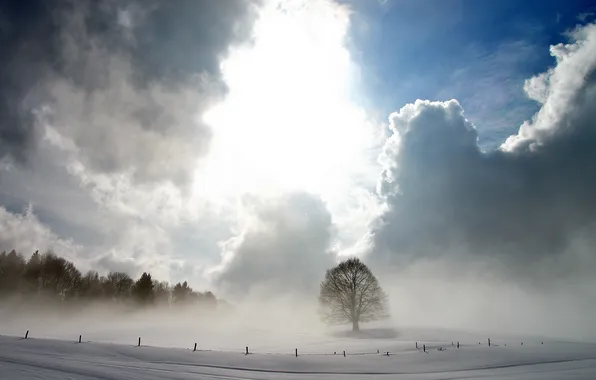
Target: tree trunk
[355, 326]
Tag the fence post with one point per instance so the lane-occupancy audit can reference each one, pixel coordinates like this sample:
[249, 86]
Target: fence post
[246, 350]
[424, 347]
[27, 334]
[139, 344]
[489, 342]
[387, 353]
[416, 345]
[344, 353]
[457, 344]
[377, 351]
[296, 352]
[195, 349]
[80, 336]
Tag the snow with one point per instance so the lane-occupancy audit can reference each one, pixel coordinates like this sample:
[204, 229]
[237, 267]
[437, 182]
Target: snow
[41, 358]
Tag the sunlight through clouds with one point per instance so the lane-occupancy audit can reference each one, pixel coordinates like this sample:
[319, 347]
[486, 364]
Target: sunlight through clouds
[287, 123]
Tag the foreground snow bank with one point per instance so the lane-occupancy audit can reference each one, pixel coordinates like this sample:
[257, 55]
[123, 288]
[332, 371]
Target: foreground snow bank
[53, 359]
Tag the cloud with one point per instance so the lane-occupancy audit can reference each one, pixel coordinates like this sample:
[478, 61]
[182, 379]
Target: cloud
[25, 234]
[282, 247]
[123, 84]
[564, 92]
[585, 16]
[526, 209]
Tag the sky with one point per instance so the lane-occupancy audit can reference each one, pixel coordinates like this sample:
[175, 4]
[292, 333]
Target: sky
[247, 146]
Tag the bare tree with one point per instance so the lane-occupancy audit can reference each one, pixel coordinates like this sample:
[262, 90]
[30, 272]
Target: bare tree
[351, 293]
[118, 285]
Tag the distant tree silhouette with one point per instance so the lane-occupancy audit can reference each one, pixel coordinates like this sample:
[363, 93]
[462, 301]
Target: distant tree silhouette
[91, 286]
[143, 289]
[12, 267]
[209, 300]
[49, 277]
[351, 293]
[162, 292]
[32, 274]
[118, 286]
[58, 276]
[182, 293]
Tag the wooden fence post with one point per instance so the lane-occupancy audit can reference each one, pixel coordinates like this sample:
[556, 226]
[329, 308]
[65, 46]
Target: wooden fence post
[80, 336]
[195, 349]
[246, 350]
[457, 344]
[27, 334]
[424, 347]
[344, 353]
[489, 342]
[139, 344]
[296, 352]
[416, 345]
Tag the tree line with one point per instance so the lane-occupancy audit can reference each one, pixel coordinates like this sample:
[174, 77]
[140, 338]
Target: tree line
[54, 278]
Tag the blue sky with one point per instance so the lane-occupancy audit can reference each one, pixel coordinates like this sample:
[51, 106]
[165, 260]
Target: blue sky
[479, 52]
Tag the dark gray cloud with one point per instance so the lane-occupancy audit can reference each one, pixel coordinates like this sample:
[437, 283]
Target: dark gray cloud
[528, 207]
[124, 82]
[24, 56]
[284, 248]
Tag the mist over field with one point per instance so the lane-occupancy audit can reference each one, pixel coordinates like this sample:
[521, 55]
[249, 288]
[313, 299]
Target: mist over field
[422, 308]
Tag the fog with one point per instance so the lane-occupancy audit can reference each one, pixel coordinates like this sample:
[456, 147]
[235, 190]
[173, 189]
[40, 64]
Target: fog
[464, 297]
[427, 303]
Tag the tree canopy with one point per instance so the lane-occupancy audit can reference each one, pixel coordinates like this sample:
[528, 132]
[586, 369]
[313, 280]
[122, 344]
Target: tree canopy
[351, 293]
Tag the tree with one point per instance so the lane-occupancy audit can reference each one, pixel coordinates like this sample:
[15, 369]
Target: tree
[90, 288]
[181, 292]
[209, 300]
[32, 274]
[143, 289]
[162, 292]
[59, 277]
[117, 285]
[12, 266]
[351, 293]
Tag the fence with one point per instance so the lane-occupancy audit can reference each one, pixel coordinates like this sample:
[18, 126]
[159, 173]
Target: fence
[421, 348]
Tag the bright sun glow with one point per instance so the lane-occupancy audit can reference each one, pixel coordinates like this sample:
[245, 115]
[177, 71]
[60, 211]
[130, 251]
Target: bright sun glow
[287, 122]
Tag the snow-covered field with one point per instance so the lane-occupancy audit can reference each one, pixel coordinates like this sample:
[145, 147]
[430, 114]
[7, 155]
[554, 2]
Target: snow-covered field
[41, 358]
